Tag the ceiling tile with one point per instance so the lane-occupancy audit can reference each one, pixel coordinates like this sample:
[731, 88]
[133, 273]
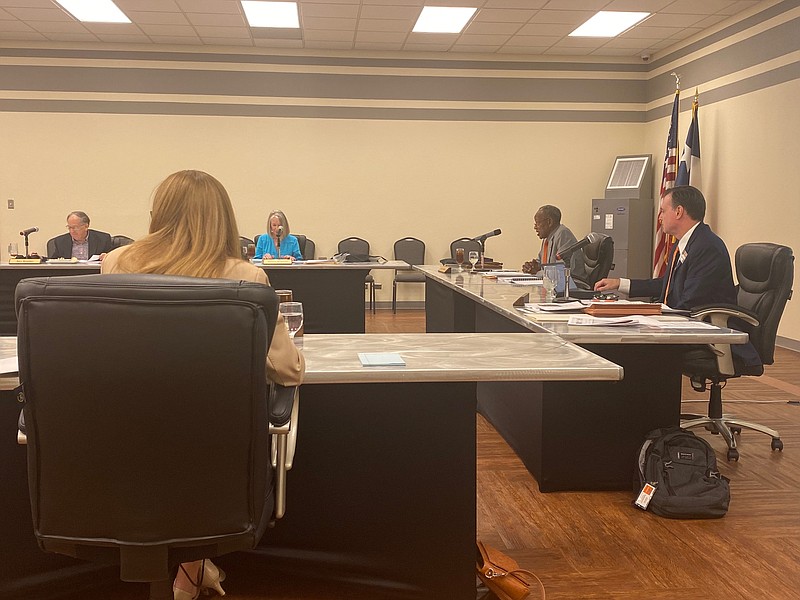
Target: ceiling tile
[427, 47]
[571, 17]
[15, 26]
[329, 45]
[147, 5]
[487, 28]
[60, 27]
[523, 50]
[403, 2]
[274, 43]
[676, 20]
[158, 18]
[396, 46]
[710, 21]
[526, 4]
[324, 23]
[169, 30]
[168, 39]
[498, 15]
[5, 15]
[532, 40]
[736, 7]
[391, 37]
[28, 3]
[568, 51]
[593, 5]
[124, 38]
[640, 43]
[685, 33]
[113, 28]
[693, 7]
[40, 14]
[474, 49]
[580, 42]
[487, 40]
[384, 25]
[328, 35]
[637, 5]
[65, 36]
[226, 32]
[651, 32]
[22, 35]
[349, 11]
[212, 20]
[226, 41]
[546, 29]
[615, 52]
[390, 12]
[432, 38]
[210, 6]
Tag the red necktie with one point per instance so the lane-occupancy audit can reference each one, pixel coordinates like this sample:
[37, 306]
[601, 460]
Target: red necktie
[672, 268]
[544, 251]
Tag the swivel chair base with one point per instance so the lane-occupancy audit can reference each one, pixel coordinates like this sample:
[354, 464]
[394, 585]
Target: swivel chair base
[725, 426]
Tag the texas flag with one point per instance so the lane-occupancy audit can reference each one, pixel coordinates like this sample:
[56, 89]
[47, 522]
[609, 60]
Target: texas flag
[689, 172]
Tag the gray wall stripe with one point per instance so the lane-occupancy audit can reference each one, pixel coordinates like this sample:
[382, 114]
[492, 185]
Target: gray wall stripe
[320, 112]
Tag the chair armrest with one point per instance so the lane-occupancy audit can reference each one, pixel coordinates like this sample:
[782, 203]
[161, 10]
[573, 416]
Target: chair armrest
[284, 406]
[721, 314]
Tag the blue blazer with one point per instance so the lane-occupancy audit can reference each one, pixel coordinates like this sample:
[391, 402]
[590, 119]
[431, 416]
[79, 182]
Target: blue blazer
[289, 247]
[704, 277]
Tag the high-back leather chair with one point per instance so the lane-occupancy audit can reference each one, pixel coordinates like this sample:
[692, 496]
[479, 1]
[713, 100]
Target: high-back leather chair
[120, 240]
[357, 245]
[51, 247]
[309, 250]
[412, 251]
[598, 259]
[151, 446]
[765, 273]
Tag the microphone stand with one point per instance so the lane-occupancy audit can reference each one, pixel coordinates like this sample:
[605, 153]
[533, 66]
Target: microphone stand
[27, 253]
[482, 241]
[278, 246]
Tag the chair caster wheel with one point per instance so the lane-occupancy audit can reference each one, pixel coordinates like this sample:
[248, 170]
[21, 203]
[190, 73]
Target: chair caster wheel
[777, 444]
[736, 430]
[733, 454]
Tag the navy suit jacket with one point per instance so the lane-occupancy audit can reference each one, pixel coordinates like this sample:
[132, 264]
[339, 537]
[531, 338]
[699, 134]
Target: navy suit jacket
[99, 242]
[704, 277]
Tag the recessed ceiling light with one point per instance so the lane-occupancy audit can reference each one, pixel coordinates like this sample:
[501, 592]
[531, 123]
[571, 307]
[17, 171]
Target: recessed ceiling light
[94, 11]
[609, 23]
[443, 19]
[271, 14]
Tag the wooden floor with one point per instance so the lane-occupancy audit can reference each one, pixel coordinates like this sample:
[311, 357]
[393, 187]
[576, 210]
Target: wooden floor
[596, 545]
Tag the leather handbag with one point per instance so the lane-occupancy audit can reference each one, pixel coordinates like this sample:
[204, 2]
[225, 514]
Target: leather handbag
[502, 574]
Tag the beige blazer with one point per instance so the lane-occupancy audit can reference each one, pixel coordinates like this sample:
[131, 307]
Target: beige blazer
[285, 362]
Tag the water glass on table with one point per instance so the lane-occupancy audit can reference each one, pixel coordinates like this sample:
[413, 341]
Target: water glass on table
[13, 250]
[460, 259]
[293, 315]
[473, 259]
[549, 276]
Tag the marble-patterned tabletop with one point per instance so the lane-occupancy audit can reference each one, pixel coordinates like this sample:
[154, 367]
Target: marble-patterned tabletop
[502, 297]
[428, 357]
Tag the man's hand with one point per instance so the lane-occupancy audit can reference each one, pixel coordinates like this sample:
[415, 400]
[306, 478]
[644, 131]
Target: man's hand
[531, 267]
[606, 285]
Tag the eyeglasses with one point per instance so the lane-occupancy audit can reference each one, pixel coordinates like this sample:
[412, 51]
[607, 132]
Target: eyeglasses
[76, 227]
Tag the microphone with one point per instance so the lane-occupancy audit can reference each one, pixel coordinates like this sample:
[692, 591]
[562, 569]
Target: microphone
[30, 230]
[569, 250]
[483, 237]
[280, 231]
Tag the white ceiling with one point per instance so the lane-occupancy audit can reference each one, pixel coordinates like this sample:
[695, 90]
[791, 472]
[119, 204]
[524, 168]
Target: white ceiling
[504, 27]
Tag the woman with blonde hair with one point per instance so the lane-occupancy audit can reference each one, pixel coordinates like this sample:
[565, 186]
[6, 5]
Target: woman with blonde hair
[193, 232]
[278, 237]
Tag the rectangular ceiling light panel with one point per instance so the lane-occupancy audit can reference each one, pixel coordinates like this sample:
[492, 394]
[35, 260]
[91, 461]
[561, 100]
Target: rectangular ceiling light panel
[271, 14]
[609, 24]
[443, 19]
[94, 11]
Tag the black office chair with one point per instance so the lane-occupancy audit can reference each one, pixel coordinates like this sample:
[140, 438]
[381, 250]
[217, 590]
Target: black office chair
[310, 250]
[412, 251]
[467, 244]
[51, 247]
[598, 259]
[118, 241]
[765, 273]
[301, 242]
[159, 454]
[357, 245]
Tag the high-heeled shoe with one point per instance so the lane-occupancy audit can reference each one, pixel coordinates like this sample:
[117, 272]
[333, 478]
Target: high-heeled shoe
[211, 578]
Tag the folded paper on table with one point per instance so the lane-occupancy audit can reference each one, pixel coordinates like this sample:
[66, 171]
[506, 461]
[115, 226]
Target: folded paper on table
[381, 359]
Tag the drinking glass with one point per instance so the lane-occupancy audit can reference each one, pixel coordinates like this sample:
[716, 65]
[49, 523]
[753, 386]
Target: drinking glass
[251, 251]
[293, 315]
[549, 275]
[13, 249]
[473, 259]
[566, 284]
[460, 259]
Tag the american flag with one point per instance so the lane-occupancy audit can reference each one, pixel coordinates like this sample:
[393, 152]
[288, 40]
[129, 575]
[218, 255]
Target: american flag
[689, 172]
[664, 240]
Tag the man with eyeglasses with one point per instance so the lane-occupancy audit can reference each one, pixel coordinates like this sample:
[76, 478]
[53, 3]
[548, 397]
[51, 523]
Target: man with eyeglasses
[80, 242]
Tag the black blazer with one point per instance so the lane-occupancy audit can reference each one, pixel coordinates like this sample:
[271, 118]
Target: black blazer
[99, 242]
[704, 277]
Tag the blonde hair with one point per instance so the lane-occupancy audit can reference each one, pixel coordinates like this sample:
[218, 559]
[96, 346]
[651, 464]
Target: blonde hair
[281, 218]
[193, 229]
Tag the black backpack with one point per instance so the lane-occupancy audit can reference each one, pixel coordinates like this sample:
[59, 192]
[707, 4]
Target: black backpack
[683, 470]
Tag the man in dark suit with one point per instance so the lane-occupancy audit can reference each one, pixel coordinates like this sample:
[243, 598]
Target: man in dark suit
[699, 268]
[81, 242]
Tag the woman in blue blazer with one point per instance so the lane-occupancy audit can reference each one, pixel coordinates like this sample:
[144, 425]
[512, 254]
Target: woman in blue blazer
[267, 246]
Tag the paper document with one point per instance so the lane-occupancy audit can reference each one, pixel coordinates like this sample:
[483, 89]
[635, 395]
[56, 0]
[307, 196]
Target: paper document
[575, 305]
[9, 365]
[381, 359]
[523, 280]
[589, 320]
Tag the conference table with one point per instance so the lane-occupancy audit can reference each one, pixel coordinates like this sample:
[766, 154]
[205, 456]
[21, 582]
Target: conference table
[332, 293]
[572, 435]
[383, 487]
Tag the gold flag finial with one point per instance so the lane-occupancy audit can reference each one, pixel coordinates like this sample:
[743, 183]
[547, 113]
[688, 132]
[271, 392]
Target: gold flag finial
[677, 80]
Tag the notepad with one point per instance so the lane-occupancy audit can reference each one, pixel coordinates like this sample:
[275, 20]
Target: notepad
[381, 359]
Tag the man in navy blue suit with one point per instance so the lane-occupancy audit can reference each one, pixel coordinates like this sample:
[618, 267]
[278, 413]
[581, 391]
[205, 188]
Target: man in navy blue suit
[699, 267]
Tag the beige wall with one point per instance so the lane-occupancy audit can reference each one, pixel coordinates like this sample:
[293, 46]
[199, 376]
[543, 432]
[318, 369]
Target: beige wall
[381, 180]
[750, 176]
